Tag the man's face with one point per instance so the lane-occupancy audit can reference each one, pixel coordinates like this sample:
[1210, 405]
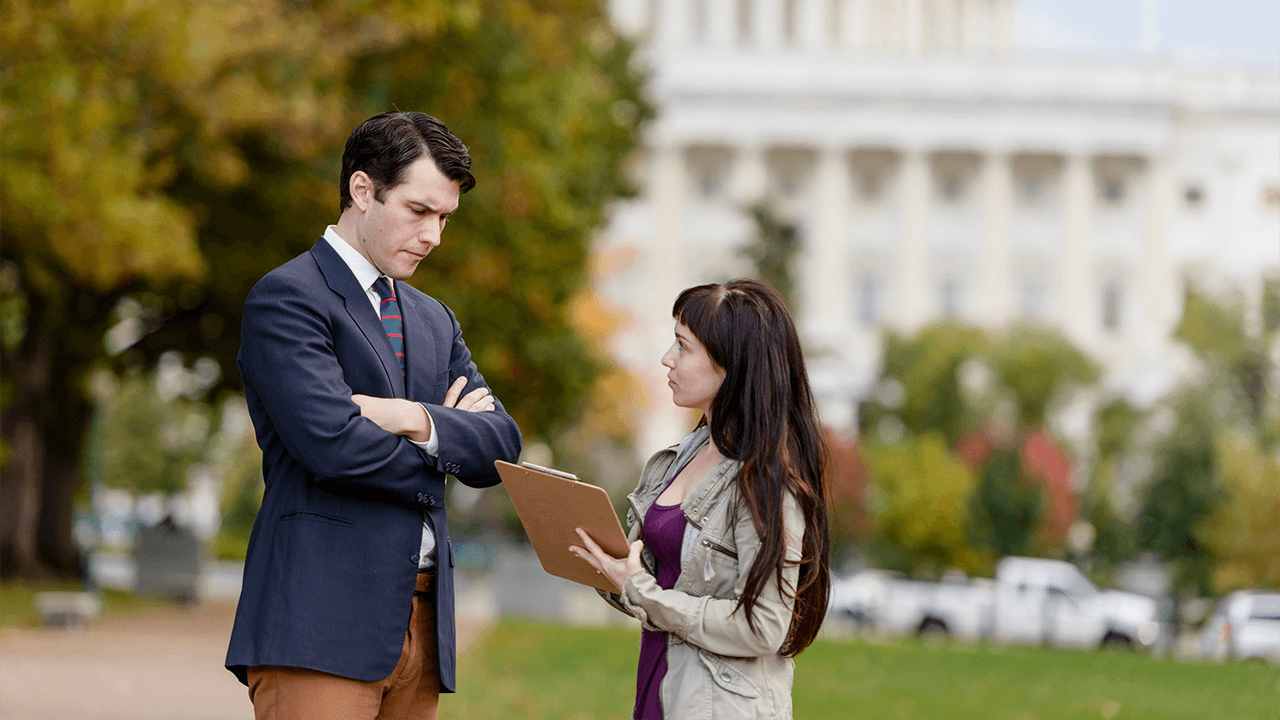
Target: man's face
[397, 234]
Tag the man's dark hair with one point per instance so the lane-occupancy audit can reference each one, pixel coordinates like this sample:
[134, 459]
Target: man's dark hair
[384, 146]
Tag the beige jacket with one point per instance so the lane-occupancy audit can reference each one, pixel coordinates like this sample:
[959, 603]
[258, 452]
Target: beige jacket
[716, 666]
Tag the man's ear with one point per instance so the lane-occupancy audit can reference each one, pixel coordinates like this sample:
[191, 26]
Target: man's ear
[361, 187]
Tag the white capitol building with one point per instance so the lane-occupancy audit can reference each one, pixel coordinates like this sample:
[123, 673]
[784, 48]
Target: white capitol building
[931, 172]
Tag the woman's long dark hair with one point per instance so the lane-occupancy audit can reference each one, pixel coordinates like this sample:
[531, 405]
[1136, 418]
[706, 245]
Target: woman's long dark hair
[764, 416]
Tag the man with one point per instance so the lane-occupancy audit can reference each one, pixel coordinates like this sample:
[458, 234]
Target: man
[363, 396]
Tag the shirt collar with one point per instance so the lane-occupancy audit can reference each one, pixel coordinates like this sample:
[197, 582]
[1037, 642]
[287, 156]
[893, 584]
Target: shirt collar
[364, 270]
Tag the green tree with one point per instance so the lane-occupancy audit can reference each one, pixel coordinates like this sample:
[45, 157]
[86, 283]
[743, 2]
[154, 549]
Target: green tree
[920, 382]
[1242, 532]
[174, 154]
[920, 497]
[1183, 491]
[1115, 426]
[1038, 365]
[774, 250]
[148, 442]
[1008, 505]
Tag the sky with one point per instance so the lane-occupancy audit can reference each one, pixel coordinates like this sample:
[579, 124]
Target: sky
[1189, 30]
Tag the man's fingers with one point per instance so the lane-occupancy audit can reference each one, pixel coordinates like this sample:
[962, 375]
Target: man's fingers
[451, 397]
[474, 400]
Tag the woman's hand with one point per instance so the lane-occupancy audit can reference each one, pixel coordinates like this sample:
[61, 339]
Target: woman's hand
[615, 569]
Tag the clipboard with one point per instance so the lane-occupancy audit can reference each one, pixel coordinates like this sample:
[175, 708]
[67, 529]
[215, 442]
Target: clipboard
[551, 505]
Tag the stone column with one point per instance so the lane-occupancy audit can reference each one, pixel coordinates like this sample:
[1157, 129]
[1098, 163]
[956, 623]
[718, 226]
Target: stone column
[668, 186]
[997, 266]
[1158, 290]
[1077, 310]
[722, 22]
[1002, 28]
[675, 22]
[749, 180]
[914, 31]
[814, 23]
[914, 288]
[766, 24]
[852, 32]
[825, 293]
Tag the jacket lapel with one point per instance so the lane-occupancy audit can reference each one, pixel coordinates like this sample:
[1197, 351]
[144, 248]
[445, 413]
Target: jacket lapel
[343, 282]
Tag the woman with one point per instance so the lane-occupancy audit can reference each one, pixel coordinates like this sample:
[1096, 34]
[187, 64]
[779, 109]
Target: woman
[728, 569]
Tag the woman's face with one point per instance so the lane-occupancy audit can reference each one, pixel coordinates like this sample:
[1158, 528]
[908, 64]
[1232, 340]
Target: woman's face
[693, 376]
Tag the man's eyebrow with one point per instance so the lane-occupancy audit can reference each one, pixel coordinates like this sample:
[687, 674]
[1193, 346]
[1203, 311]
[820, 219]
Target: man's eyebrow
[426, 205]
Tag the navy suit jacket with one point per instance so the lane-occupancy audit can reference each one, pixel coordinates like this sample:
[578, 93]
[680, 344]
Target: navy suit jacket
[333, 556]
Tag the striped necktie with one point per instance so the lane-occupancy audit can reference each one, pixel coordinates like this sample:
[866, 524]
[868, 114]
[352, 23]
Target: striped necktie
[389, 311]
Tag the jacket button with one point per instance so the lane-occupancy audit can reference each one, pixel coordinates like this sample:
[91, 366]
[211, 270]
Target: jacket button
[726, 676]
[414, 558]
[418, 497]
[430, 500]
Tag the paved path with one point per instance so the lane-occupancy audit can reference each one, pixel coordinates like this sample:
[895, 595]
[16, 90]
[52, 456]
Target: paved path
[160, 666]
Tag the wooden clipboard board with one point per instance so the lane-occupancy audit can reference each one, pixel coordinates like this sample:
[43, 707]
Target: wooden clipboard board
[551, 505]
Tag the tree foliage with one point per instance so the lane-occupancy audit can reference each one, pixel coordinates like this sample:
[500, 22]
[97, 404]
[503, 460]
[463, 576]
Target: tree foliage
[1183, 491]
[173, 154]
[1242, 532]
[920, 499]
[1008, 505]
[774, 251]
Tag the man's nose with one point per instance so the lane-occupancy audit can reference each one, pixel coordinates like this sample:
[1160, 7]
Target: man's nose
[430, 236]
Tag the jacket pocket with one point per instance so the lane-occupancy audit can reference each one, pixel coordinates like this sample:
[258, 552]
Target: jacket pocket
[722, 549]
[315, 517]
[729, 677]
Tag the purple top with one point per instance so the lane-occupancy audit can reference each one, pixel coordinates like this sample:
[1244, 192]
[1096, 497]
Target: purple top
[663, 535]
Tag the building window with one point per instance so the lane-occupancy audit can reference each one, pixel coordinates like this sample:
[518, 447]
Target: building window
[951, 186]
[1113, 190]
[1271, 200]
[710, 184]
[1112, 304]
[950, 297]
[1033, 188]
[868, 300]
[1031, 296]
[1193, 196]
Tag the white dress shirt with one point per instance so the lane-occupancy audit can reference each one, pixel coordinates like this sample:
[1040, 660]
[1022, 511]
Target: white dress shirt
[366, 275]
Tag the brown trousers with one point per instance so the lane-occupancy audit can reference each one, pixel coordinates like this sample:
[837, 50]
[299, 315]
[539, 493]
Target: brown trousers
[410, 692]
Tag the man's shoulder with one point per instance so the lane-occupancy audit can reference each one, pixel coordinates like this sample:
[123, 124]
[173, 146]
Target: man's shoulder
[300, 273]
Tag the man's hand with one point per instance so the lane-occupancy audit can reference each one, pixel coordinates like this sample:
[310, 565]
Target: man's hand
[478, 400]
[396, 416]
[408, 418]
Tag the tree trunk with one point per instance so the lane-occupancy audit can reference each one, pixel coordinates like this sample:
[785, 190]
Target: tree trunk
[44, 426]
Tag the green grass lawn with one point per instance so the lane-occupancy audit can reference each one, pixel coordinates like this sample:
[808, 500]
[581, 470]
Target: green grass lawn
[537, 672]
[18, 608]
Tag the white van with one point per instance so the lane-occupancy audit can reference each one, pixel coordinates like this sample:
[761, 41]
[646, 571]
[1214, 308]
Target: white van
[1245, 626]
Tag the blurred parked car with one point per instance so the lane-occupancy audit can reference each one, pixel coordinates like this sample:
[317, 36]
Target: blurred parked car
[1245, 625]
[1031, 601]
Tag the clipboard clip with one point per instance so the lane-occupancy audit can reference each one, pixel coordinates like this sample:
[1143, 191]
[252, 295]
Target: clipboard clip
[549, 471]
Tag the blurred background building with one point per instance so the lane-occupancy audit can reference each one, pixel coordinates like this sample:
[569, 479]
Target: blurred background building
[932, 171]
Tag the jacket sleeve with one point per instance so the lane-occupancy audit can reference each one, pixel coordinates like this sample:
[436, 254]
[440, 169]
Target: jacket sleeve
[471, 442]
[288, 361]
[716, 624]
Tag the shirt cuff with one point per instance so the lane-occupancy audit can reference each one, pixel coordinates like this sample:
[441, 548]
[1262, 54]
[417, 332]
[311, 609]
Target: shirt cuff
[432, 445]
